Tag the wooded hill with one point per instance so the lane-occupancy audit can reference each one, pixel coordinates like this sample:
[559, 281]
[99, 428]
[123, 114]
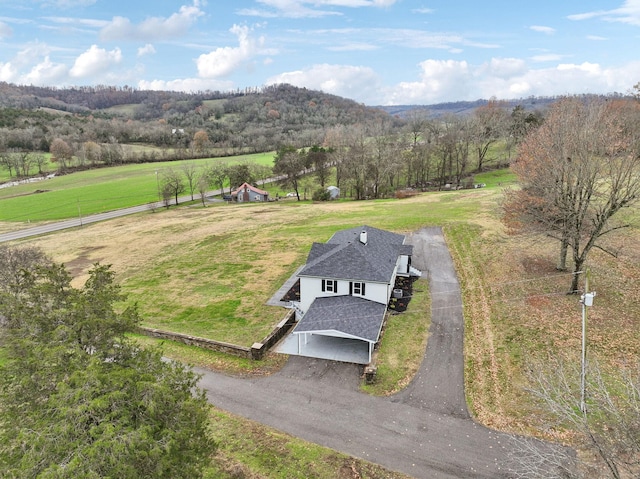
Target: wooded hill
[250, 120]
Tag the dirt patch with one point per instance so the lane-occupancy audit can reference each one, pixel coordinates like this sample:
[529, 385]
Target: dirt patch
[80, 266]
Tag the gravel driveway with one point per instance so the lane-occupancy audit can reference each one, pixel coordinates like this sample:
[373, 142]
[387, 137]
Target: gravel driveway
[424, 431]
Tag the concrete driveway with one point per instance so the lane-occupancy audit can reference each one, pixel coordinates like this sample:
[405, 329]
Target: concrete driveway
[424, 431]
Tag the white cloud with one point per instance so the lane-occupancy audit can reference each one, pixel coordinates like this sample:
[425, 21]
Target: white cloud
[353, 47]
[449, 80]
[543, 29]
[5, 30]
[46, 73]
[424, 11]
[596, 38]
[440, 80]
[35, 61]
[186, 84]
[148, 49]
[8, 72]
[225, 60]
[628, 12]
[69, 3]
[355, 82]
[299, 8]
[154, 28]
[504, 67]
[95, 61]
[547, 57]
[87, 22]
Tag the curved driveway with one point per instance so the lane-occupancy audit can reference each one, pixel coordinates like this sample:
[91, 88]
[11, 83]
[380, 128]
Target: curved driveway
[424, 431]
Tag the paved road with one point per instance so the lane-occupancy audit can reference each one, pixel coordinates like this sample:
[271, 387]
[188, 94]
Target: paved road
[80, 221]
[424, 431]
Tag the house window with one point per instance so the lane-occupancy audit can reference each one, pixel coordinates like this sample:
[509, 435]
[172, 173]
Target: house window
[357, 288]
[329, 286]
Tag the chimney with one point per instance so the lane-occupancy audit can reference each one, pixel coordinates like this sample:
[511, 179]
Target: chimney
[363, 237]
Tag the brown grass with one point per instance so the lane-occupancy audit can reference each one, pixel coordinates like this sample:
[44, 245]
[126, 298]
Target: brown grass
[516, 307]
[517, 312]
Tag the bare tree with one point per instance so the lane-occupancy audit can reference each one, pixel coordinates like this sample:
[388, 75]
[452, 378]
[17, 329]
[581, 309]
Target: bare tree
[40, 160]
[452, 138]
[355, 164]
[610, 428]
[203, 184]
[172, 185]
[7, 160]
[576, 172]
[317, 156]
[190, 171]
[261, 172]
[200, 142]
[22, 161]
[14, 261]
[91, 151]
[218, 174]
[290, 165]
[489, 124]
[61, 152]
[383, 154]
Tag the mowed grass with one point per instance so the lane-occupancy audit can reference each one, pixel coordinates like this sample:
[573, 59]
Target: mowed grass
[209, 272]
[95, 191]
[405, 339]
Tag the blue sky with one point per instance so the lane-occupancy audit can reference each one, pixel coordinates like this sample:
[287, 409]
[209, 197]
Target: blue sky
[377, 52]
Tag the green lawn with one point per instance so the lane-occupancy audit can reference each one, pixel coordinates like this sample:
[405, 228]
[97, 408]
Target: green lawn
[94, 191]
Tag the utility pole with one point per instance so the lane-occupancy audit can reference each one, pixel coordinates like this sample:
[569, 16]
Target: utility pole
[158, 186]
[587, 301]
[79, 211]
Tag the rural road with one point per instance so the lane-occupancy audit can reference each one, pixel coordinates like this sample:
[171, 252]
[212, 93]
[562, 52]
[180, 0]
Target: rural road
[424, 431]
[84, 220]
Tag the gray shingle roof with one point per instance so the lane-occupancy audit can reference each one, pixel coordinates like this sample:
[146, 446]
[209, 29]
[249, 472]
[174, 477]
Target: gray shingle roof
[345, 257]
[351, 315]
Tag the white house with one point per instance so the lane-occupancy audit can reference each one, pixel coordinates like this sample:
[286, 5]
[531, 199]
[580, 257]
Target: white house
[347, 282]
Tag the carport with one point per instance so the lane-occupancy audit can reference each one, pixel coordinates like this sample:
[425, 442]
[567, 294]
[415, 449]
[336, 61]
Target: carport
[341, 328]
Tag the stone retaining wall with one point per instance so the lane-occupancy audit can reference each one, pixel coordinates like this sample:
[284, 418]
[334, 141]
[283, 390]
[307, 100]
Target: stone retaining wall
[257, 351]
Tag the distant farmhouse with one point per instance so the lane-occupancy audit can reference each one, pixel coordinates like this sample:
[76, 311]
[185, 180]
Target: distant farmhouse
[346, 285]
[246, 193]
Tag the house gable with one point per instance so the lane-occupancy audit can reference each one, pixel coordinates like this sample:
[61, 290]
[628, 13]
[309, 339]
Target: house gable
[247, 192]
[345, 256]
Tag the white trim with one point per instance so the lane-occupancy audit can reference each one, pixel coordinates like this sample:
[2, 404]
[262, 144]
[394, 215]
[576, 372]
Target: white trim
[334, 334]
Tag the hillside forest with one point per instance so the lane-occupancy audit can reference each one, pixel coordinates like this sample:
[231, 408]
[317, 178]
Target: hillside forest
[371, 152]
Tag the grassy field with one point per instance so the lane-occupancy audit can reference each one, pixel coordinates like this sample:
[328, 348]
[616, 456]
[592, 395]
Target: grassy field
[94, 191]
[209, 271]
[250, 450]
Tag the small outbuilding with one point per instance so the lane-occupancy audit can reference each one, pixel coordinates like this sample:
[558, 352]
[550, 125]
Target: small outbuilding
[334, 192]
[246, 193]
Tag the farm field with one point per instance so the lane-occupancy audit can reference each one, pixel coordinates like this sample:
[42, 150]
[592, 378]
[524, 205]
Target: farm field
[209, 271]
[94, 191]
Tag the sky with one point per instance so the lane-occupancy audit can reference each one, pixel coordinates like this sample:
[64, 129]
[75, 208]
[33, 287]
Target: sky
[376, 52]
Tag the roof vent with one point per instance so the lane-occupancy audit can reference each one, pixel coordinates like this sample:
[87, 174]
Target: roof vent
[363, 237]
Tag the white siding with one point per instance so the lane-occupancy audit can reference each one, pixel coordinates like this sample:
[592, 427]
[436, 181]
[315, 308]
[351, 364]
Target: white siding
[376, 292]
[311, 288]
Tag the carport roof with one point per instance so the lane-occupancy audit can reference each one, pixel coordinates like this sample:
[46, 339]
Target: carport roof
[352, 316]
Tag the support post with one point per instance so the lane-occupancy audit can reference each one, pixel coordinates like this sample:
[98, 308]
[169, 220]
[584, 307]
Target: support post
[587, 301]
